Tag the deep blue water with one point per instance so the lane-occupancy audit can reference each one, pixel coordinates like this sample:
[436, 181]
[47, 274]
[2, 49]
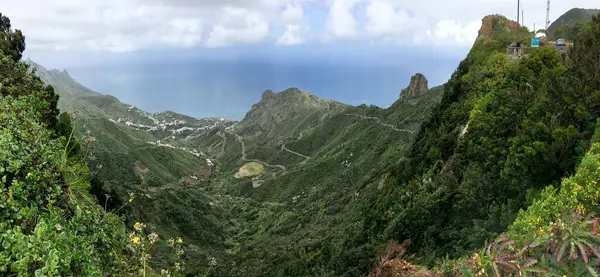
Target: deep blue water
[228, 88]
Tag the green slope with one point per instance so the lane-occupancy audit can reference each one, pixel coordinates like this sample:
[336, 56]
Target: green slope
[505, 129]
[146, 154]
[307, 146]
[310, 212]
[287, 113]
[50, 225]
[447, 168]
[566, 26]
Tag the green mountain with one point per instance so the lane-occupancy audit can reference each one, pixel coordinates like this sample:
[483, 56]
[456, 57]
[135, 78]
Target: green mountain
[61, 79]
[315, 201]
[146, 154]
[570, 23]
[287, 113]
[502, 158]
[314, 153]
[505, 134]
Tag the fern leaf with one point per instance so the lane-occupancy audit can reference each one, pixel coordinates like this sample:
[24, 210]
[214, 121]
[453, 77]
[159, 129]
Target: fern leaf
[529, 262]
[561, 251]
[535, 269]
[592, 270]
[511, 267]
[584, 253]
[496, 270]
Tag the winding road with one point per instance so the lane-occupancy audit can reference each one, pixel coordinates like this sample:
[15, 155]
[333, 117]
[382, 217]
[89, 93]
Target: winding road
[223, 143]
[244, 158]
[306, 158]
[381, 123]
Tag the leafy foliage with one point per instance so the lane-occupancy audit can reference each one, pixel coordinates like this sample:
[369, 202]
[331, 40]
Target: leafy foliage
[16, 80]
[505, 130]
[503, 136]
[48, 225]
[568, 247]
[12, 42]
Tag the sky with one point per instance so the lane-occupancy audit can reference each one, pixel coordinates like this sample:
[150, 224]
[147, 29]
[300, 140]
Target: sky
[117, 26]
[107, 33]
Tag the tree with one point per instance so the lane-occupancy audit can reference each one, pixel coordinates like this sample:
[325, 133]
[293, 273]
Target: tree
[12, 43]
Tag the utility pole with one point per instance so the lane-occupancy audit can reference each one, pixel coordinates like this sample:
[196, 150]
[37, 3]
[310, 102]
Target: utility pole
[522, 18]
[548, 15]
[518, 11]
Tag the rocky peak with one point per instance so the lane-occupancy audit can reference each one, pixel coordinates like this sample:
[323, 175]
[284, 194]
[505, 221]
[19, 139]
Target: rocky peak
[281, 113]
[418, 87]
[267, 93]
[491, 24]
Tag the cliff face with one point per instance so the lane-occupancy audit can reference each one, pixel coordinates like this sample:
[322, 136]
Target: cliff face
[492, 24]
[418, 87]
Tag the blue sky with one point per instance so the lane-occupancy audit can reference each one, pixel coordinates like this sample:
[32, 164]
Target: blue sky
[400, 35]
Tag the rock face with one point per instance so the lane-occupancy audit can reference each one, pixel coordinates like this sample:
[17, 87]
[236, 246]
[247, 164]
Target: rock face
[493, 23]
[267, 93]
[417, 88]
[287, 112]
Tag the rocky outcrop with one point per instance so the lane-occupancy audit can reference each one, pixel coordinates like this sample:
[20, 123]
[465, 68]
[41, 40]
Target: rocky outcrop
[491, 24]
[267, 93]
[417, 88]
[291, 111]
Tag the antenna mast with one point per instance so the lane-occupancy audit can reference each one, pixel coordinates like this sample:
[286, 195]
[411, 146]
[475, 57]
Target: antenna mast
[547, 15]
[518, 12]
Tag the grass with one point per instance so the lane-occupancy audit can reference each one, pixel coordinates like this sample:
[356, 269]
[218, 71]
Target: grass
[251, 169]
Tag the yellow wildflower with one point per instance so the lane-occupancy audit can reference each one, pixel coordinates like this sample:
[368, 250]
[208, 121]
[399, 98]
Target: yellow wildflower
[136, 240]
[139, 226]
[179, 240]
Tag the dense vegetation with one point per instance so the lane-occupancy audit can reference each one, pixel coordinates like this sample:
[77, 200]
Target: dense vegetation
[505, 130]
[503, 158]
[50, 223]
[567, 25]
[12, 42]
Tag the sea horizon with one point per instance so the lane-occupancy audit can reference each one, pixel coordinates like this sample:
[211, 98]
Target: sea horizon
[229, 88]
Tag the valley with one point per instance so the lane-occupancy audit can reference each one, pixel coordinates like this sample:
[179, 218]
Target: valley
[208, 152]
[494, 173]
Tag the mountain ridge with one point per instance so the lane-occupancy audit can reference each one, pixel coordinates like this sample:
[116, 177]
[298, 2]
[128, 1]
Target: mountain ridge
[292, 132]
[290, 105]
[571, 17]
[503, 158]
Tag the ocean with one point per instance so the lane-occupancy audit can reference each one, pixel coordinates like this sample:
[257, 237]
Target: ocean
[229, 88]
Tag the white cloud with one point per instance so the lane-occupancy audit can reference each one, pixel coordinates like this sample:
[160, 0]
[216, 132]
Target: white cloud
[130, 25]
[292, 14]
[191, 27]
[341, 22]
[453, 32]
[291, 36]
[386, 20]
[238, 26]
[454, 22]
[108, 25]
[293, 17]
